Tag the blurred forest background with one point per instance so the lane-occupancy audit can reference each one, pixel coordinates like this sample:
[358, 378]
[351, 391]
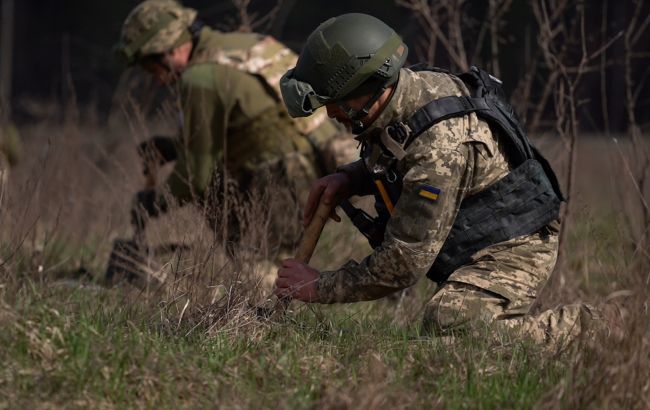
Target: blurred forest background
[62, 49]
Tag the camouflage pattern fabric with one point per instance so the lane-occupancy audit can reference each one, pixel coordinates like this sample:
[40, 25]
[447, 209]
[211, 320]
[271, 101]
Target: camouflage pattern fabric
[500, 285]
[233, 124]
[266, 58]
[459, 307]
[458, 157]
[147, 16]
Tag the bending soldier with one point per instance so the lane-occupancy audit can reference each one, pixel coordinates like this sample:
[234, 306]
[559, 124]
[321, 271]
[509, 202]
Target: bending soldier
[461, 195]
[233, 120]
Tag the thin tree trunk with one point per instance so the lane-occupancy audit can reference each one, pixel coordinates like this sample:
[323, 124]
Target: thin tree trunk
[603, 71]
[6, 54]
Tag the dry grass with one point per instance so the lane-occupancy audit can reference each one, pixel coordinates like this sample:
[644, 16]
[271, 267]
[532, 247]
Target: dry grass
[197, 342]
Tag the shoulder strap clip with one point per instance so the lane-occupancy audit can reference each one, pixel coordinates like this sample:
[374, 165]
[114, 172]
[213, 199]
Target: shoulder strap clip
[399, 131]
[393, 139]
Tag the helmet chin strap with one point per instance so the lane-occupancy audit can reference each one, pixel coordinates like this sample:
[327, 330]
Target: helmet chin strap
[356, 116]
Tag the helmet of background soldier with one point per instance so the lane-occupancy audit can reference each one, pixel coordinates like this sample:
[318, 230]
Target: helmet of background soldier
[345, 57]
[153, 27]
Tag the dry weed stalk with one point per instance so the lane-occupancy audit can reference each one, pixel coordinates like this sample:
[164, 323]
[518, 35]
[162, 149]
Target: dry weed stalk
[446, 21]
[214, 287]
[430, 16]
[252, 22]
[557, 32]
[639, 170]
[497, 9]
[449, 24]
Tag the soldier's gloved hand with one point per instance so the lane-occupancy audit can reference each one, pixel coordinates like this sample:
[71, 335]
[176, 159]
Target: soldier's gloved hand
[156, 152]
[330, 189]
[147, 203]
[297, 280]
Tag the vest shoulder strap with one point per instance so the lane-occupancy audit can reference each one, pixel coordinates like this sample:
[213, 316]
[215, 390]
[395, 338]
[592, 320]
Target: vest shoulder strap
[489, 104]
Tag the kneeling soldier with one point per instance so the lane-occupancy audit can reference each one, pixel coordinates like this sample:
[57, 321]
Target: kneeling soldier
[461, 195]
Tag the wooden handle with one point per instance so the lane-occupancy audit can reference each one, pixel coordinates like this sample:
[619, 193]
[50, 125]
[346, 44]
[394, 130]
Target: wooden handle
[307, 246]
[313, 232]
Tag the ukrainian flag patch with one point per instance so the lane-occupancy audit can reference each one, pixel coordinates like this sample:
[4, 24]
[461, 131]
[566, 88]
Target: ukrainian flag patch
[429, 192]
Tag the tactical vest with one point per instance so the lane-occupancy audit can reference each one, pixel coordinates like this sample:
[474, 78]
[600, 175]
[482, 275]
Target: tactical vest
[521, 203]
[267, 59]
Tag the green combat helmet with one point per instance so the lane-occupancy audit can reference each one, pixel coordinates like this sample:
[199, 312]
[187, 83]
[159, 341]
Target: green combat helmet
[153, 27]
[345, 57]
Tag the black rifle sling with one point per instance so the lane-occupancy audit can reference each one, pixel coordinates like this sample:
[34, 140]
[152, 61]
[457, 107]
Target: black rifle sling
[370, 227]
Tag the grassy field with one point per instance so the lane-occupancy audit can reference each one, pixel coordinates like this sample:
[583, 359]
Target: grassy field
[196, 342]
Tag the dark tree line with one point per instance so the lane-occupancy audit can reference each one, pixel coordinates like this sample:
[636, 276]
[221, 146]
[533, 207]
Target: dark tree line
[63, 48]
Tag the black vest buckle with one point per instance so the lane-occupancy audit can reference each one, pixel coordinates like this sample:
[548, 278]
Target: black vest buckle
[399, 131]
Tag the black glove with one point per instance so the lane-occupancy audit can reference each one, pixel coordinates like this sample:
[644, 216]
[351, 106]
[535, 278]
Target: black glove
[158, 151]
[146, 203]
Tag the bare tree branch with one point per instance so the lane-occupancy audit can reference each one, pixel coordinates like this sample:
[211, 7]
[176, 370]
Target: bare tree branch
[250, 22]
[497, 9]
[430, 16]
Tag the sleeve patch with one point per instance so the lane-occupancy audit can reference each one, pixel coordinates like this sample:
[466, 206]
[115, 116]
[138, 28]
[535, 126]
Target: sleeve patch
[429, 192]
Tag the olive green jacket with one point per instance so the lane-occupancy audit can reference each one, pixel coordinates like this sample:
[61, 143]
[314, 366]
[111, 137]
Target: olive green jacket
[232, 120]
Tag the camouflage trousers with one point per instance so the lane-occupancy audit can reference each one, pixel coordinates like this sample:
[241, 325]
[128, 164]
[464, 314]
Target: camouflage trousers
[499, 288]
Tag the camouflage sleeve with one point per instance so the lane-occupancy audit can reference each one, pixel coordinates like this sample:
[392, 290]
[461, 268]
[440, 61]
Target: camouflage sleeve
[435, 172]
[203, 132]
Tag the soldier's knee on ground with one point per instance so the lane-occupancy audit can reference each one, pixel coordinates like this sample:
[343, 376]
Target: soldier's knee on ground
[458, 307]
[605, 320]
[557, 328]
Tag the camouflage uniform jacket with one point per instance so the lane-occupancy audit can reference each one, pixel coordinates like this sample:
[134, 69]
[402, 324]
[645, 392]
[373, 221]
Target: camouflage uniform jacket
[231, 118]
[458, 156]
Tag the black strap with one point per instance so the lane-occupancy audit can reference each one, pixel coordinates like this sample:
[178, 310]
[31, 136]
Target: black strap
[195, 28]
[159, 148]
[442, 109]
[372, 228]
[491, 109]
[434, 112]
